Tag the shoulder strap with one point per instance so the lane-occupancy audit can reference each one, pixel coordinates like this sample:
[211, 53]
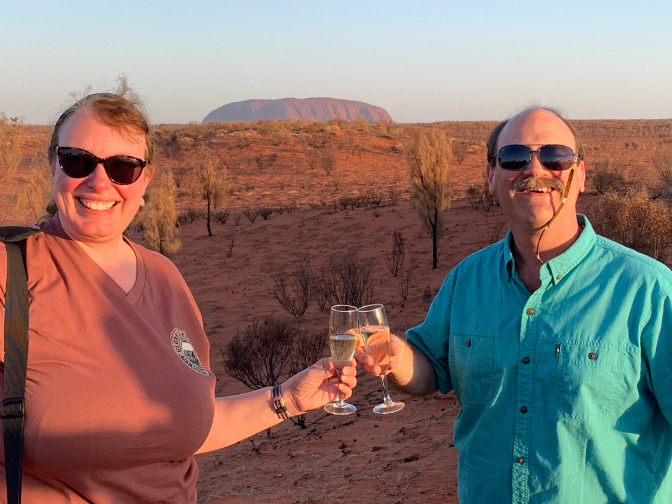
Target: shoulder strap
[12, 409]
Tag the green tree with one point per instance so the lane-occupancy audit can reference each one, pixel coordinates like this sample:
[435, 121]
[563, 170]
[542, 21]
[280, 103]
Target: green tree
[159, 216]
[211, 173]
[427, 155]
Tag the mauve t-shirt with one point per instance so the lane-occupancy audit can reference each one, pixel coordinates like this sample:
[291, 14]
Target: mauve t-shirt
[119, 394]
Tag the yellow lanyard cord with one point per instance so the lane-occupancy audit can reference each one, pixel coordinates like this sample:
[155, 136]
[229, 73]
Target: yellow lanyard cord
[562, 202]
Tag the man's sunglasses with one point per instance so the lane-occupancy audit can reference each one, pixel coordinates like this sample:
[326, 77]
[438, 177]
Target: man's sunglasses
[79, 163]
[551, 157]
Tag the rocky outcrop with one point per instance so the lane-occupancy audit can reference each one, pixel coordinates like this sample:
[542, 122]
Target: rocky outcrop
[308, 109]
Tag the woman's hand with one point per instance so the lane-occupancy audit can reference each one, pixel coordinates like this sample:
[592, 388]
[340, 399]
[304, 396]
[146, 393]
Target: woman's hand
[368, 363]
[318, 385]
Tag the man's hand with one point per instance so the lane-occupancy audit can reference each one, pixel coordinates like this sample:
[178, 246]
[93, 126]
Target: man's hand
[372, 367]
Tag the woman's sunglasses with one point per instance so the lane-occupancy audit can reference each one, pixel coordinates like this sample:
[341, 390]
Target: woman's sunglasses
[551, 157]
[79, 163]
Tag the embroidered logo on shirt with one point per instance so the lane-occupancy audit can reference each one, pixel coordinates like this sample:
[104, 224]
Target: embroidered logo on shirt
[186, 351]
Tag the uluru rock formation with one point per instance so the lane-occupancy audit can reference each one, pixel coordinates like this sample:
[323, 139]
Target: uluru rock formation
[308, 109]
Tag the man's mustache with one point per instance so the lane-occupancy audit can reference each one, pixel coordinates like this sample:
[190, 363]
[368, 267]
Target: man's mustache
[536, 183]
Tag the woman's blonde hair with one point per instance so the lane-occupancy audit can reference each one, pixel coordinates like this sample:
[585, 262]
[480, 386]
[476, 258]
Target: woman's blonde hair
[122, 110]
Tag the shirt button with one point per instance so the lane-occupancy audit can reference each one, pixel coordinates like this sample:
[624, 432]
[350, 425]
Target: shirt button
[468, 342]
[526, 360]
[558, 277]
[592, 356]
[520, 460]
[523, 409]
[530, 311]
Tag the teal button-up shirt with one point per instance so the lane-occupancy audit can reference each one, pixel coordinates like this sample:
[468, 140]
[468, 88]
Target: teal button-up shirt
[565, 393]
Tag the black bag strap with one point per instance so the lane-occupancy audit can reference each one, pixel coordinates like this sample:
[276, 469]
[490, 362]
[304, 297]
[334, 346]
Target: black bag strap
[12, 408]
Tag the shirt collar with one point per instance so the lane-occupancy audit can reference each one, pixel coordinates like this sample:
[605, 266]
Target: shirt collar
[559, 266]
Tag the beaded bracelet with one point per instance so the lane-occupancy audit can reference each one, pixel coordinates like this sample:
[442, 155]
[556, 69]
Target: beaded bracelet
[279, 404]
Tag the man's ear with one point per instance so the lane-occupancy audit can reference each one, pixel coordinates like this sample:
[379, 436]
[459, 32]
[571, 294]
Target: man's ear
[490, 176]
[581, 177]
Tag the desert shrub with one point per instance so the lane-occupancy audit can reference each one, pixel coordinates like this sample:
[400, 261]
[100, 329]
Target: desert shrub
[460, 151]
[269, 350]
[262, 354]
[345, 280]
[372, 199]
[229, 246]
[185, 143]
[395, 259]
[475, 195]
[222, 217]
[413, 256]
[35, 187]
[394, 194]
[251, 214]
[189, 216]
[313, 157]
[328, 161]
[405, 283]
[294, 290]
[344, 202]
[265, 212]
[662, 162]
[496, 231]
[603, 178]
[636, 221]
[158, 219]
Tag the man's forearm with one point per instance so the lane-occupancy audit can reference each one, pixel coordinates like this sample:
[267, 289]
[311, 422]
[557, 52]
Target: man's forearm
[414, 373]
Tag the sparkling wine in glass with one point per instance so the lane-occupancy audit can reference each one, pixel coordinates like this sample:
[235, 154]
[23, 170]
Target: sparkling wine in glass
[342, 343]
[375, 332]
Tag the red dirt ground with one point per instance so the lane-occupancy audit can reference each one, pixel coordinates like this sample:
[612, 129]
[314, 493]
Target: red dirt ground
[407, 457]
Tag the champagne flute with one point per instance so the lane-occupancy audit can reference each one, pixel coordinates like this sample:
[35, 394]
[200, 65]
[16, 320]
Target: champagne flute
[342, 343]
[375, 332]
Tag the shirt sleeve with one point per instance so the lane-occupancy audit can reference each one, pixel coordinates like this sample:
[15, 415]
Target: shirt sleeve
[657, 347]
[432, 336]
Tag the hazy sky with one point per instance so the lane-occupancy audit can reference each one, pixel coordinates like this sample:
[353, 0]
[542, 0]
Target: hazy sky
[421, 61]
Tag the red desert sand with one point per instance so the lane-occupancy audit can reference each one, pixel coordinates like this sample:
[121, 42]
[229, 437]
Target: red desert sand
[405, 457]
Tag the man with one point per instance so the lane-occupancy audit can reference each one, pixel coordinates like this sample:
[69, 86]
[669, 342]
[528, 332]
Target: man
[557, 342]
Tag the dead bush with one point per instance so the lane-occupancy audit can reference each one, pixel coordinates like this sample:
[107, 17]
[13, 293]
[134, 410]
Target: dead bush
[405, 283]
[189, 216]
[269, 350]
[636, 221]
[345, 280]
[395, 260]
[262, 354]
[221, 217]
[603, 178]
[265, 212]
[662, 161]
[294, 290]
[251, 214]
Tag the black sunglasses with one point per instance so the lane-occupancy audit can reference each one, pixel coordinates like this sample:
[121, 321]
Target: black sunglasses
[79, 163]
[551, 157]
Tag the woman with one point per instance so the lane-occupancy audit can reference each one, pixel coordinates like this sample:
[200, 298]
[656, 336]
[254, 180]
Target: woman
[119, 396]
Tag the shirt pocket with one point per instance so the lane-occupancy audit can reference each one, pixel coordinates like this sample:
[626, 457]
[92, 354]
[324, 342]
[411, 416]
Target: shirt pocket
[472, 368]
[590, 379]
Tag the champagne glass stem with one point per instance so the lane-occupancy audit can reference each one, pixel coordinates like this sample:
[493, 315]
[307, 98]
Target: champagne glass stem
[340, 399]
[386, 393]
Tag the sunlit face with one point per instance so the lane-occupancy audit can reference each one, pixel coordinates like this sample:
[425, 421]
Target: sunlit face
[94, 209]
[533, 209]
